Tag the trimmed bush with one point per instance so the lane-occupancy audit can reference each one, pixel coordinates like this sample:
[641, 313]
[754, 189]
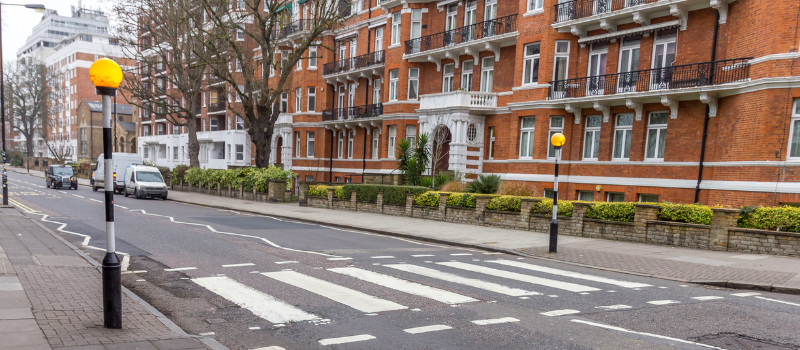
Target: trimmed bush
[784, 218]
[465, 200]
[614, 211]
[545, 207]
[178, 173]
[391, 194]
[689, 213]
[249, 177]
[505, 203]
[318, 191]
[427, 199]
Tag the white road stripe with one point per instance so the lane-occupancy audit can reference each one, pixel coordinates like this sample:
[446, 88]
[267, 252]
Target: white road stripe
[339, 259]
[181, 269]
[495, 321]
[460, 254]
[259, 303]
[748, 294]
[239, 265]
[572, 287]
[404, 286]
[613, 307]
[425, 329]
[383, 257]
[117, 205]
[560, 312]
[449, 277]
[422, 255]
[285, 262]
[710, 297]
[352, 298]
[79, 196]
[663, 302]
[778, 301]
[618, 329]
[343, 340]
[92, 199]
[571, 274]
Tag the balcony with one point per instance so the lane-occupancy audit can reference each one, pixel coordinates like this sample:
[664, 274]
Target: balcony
[657, 79]
[577, 9]
[352, 113]
[473, 101]
[216, 107]
[352, 68]
[299, 26]
[470, 40]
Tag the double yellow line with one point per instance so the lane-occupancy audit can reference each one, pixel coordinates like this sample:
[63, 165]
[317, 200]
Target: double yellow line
[18, 204]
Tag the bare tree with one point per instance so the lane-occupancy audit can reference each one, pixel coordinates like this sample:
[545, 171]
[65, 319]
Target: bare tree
[59, 149]
[162, 36]
[27, 83]
[243, 38]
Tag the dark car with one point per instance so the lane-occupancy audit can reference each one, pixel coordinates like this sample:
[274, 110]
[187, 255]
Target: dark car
[61, 176]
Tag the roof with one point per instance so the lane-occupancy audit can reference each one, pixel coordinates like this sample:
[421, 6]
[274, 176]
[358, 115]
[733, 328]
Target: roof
[98, 107]
[127, 126]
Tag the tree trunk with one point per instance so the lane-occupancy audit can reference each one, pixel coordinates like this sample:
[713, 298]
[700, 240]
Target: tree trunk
[263, 146]
[193, 145]
[28, 150]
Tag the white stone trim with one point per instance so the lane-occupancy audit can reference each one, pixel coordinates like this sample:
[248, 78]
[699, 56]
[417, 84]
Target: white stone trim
[774, 57]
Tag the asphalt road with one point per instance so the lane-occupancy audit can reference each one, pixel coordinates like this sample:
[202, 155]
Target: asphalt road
[253, 282]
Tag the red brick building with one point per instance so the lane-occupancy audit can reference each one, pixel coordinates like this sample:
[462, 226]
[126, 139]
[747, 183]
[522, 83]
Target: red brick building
[633, 84]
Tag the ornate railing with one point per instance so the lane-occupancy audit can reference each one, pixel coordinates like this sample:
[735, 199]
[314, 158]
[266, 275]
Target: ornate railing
[349, 113]
[297, 26]
[458, 99]
[146, 118]
[477, 31]
[570, 10]
[675, 77]
[353, 63]
[216, 107]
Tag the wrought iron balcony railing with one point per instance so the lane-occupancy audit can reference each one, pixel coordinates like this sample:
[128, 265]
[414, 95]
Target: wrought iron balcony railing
[675, 77]
[477, 31]
[216, 107]
[297, 26]
[575, 9]
[353, 63]
[350, 113]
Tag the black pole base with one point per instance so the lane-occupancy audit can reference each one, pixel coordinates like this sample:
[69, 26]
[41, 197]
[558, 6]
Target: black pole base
[5, 192]
[112, 291]
[553, 235]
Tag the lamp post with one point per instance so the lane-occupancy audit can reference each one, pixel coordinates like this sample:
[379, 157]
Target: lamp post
[557, 140]
[38, 8]
[106, 76]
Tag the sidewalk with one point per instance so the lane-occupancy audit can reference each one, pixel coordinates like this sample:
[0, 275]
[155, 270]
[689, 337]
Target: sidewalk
[51, 298]
[726, 269]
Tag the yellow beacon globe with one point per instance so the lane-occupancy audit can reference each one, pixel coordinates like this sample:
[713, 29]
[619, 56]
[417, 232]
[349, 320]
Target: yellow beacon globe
[105, 73]
[558, 139]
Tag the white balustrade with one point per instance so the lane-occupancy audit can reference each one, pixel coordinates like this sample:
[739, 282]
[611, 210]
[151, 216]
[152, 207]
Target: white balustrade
[467, 99]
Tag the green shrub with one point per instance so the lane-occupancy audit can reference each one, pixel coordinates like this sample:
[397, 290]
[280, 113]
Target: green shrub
[545, 207]
[193, 176]
[466, 200]
[338, 192]
[505, 203]
[178, 173]
[689, 213]
[772, 218]
[397, 194]
[318, 191]
[614, 211]
[485, 184]
[427, 199]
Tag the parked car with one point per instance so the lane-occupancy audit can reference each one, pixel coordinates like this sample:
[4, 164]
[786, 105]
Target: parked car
[121, 161]
[144, 181]
[60, 176]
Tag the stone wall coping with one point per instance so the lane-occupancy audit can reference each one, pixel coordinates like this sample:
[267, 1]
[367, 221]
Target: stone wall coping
[726, 210]
[548, 216]
[764, 232]
[581, 203]
[326, 197]
[526, 199]
[646, 206]
[675, 223]
[502, 212]
[484, 196]
[610, 222]
[425, 207]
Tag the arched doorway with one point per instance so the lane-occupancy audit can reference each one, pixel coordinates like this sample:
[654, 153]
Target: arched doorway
[133, 145]
[279, 151]
[440, 153]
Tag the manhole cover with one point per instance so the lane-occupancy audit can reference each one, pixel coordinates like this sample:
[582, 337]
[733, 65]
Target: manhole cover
[215, 320]
[735, 342]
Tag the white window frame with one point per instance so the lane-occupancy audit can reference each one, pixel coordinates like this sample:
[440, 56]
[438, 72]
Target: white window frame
[392, 141]
[394, 79]
[627, 133]
[239, 35]
[578, 197]
[240, 153]
[413, 80]
[298, 99]
[350, 138]
[309, 144]
[376, 141]
[239, 123]
[558, 55]
[284, 102]
[298, 142]
[526, 146]
[531, 60]
[609, 194]
[641, 197]
[312, 57]
[213, 124]
[340, 144]
[662, 128]
[792, 130]
[535, 5]
[311, 99]
[396, 31]
[416, 25]
[553, 129]
[487, 74]
[448, 77]
[376, 91]
[411, 133]
[492, 136]
[595, 133]
[466, 74]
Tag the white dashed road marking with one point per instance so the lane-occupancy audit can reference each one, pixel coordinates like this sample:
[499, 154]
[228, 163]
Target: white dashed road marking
[710, 297]
[92, 199]
[426, 329]
[778, 301]
[571, 274]
[239, 265]
[748, 294]
[495, 321]
[618, 329]
[613, 307]
[422, 255]
[460, 254]
[383, 257]
[403, 285]
[572, 287]
[181, 269]
[285, 262]
[560, 312]
[339, 259]
[663, 302]
[343, 340]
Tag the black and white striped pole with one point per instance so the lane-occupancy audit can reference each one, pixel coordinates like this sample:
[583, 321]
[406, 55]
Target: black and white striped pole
[557, 140]
[106, 76]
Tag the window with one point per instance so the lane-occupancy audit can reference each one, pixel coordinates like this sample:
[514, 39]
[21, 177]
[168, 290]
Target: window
[350, 136]
[174, 153]
[411, 133]
[466, 75]
[396, 28]
[622, 137]
[447, 77]
[340, 149]
[312, 57]
[239, 152]
[648, 198]
[534, 5]
[416, 28]
[615, 197]
[794, 130]
[393, 80]
[591, 139]
[379, 44]
[354, 47]
[413, 83]
[586, 196]
[598, 57]
[239, 123]
[376, 91]
[491, 142]
[228, 154]
[556, 125]
[548, 193]
[312, 99]
[656, 135]
[487, 74]
[297, 144]
[176, 130]
[560, 68]
[530, 74]
[239, 35]
[298, 97]
[628, 64]
[392, 139]
[160, 129]
[310, 144]
[664, 49]
[376, 138]
[213, 124]
[284, 102]
[309, 178]
[239, 96]
[526, 137]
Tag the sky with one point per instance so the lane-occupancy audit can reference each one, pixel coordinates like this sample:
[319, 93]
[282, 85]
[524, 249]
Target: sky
[19, 21]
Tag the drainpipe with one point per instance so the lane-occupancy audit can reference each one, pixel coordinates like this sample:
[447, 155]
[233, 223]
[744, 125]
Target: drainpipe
[708, 113]
[330, 168]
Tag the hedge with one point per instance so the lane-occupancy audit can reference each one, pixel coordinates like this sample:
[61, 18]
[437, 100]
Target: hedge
[322, 191]
[248, 177]
[391, 194]
[428, 199]
[465, 200]
[771, 218]
[505, 203]
[614, 211]
[545, 207]
[689, 213]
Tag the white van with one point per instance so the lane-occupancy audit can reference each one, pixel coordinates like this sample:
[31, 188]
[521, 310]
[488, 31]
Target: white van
[144, 181]
[121, 161]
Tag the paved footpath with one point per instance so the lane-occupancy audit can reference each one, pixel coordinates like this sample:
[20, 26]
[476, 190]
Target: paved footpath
[51, 298]
[727, 269]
